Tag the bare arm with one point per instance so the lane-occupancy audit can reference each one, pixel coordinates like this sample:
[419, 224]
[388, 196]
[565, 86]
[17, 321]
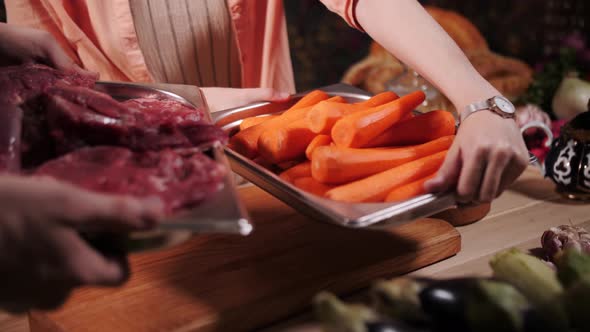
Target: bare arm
[405, 29]
[489, 152]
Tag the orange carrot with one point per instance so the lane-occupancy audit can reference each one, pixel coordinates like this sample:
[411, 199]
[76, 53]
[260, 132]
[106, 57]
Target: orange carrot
[410, 190]
[312, 186]
[310, 99]
[288, 164]
[285, 143]
[254, 120]
[357, 129]
[417, 130]
[246, 141]
[337, 165]
[378, 99]
[408, 116]
[298, 171]
[376, 187]
[319, 140]
[324, 115]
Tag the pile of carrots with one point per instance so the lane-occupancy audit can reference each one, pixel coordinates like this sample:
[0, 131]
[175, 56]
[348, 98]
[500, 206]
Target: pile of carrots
[371, 151]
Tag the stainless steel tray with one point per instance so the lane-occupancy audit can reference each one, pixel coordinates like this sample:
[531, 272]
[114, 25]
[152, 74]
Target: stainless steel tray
[222, 213]
[360, 215]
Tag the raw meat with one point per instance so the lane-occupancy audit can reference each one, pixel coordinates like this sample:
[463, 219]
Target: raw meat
[140, 147]
[180, 178]
[23, 86]
[10, 134]
[81, 117]
[19, 84]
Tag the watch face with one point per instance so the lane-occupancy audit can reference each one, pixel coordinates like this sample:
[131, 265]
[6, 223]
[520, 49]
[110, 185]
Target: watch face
[504, 105]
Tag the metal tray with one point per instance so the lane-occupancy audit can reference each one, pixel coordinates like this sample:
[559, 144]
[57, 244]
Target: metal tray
[359, 215]
[222, 213]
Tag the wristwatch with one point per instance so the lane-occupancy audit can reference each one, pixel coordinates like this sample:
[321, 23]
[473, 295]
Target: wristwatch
[497, 104]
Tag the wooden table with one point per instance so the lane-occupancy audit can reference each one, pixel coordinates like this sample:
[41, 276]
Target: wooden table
[517, 219]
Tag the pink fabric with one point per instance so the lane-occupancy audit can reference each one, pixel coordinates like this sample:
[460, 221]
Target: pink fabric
[101, 37]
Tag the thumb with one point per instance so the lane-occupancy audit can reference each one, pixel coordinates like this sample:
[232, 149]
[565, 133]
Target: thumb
[60, 60]
[447, 174]
[99, 212]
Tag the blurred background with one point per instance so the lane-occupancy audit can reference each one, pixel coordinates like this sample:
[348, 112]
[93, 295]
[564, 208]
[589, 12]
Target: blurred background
[525, 48]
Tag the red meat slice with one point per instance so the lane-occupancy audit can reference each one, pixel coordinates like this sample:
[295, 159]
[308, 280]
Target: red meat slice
[180, 178]
[80, 117]
[23, 86]
[10, 137]
[19, 84]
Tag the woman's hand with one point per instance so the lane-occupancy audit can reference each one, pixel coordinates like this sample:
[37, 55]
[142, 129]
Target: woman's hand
[21, 45]
[220, 99]
[42, 255]
[488, 154]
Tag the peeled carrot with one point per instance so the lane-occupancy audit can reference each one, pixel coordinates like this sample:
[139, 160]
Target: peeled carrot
[378, 99]
[310, 99]
[324, 115]
[357, 129]
[410, 190]
[252, 121]
[298, 171]
[312, 186]
[336, 165]
[285, 143]
[288, 164]
[376, 187]
[246, 141]
[417, 130]
[408, 116]
[319, 140]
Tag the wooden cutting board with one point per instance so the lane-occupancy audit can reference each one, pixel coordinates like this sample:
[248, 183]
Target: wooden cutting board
[231, 283]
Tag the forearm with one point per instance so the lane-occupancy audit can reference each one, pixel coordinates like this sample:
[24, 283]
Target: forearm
[406, 30]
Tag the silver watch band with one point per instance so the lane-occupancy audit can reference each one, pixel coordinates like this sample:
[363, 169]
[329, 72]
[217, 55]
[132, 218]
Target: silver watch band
[472, 108]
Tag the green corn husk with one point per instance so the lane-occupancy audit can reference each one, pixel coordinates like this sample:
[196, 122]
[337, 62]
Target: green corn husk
[537, 281]
[572, 266]
[399, 298]
[336, 315]
[496, 306]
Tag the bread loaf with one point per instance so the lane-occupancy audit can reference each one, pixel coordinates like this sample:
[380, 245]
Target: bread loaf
[510, 76]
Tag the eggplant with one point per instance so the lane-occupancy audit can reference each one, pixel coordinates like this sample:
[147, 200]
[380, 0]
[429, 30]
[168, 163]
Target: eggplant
[337, 316]
[472, 304]
[445, 303]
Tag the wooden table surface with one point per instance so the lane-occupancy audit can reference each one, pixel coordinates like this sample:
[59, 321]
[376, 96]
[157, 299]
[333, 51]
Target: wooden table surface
[517, 219]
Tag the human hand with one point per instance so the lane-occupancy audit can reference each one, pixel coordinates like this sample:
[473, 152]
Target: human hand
[488, 154]
[225, 98]
[21, 45]
[42, 255]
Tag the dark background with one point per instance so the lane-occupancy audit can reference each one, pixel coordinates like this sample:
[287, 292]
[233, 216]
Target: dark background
[323, 46]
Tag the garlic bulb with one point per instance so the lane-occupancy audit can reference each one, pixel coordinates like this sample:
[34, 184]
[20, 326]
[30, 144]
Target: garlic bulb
[565, 236]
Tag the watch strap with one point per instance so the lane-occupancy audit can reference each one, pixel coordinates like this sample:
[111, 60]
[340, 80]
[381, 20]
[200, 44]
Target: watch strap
[475, 107]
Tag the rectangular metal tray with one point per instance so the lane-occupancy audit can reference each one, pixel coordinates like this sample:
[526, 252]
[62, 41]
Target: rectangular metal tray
[360, 215]
[222, 213]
